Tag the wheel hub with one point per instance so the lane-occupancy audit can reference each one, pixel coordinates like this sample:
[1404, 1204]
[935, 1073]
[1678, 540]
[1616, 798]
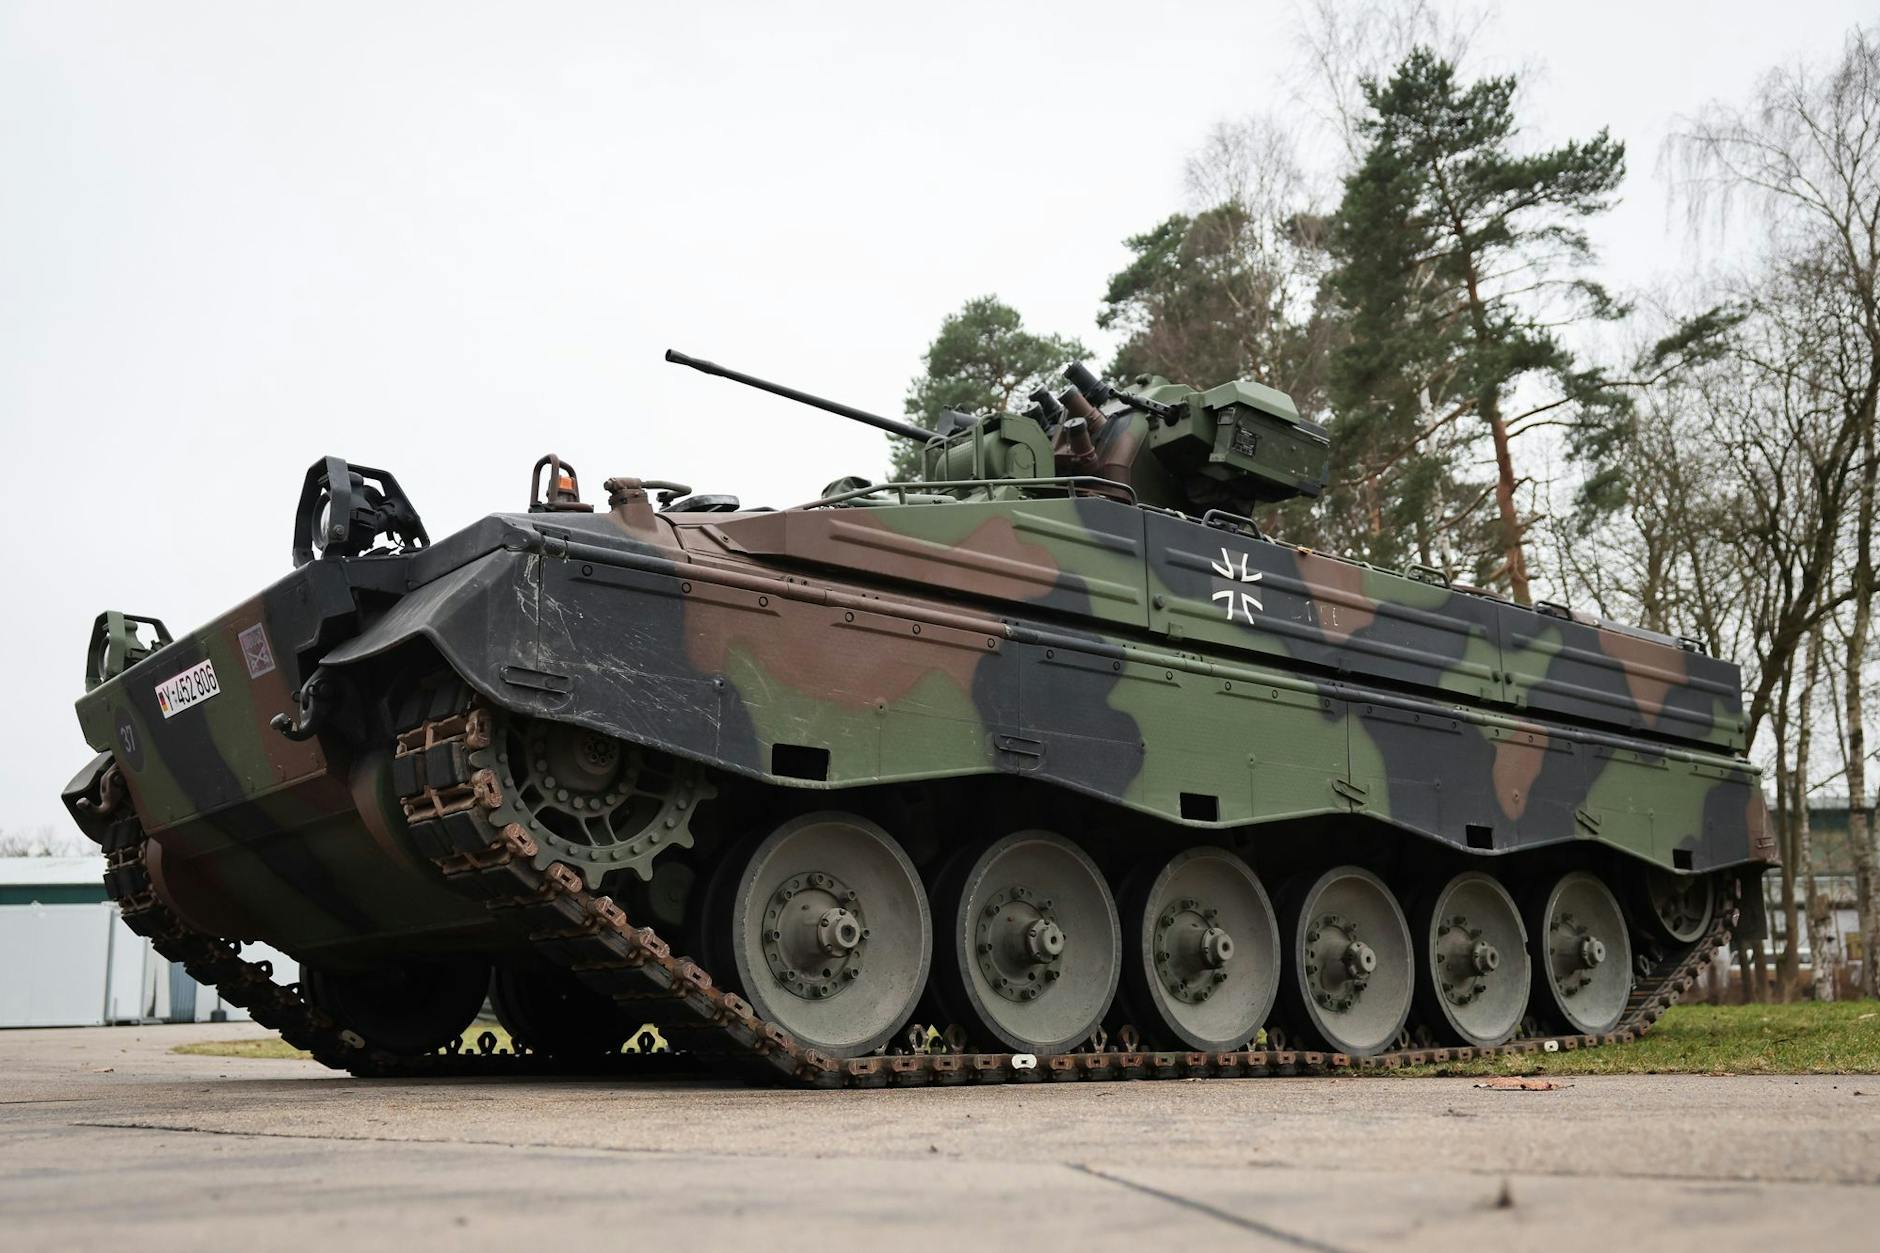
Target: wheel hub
[1465, 959]
[1584, 953]
[1359, 960]
[839, 932]
[1019, 944]
[1044, 940]
[815, 935]
[1339, 965]
[1192, 950]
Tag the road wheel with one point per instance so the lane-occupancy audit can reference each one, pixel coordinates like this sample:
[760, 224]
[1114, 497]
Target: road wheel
[1202, 964]
[1582, 955]
[830, 932]
[404, 1007]
[1035, 950]
[1349, 967]
[1473, 963]
[552, 1011]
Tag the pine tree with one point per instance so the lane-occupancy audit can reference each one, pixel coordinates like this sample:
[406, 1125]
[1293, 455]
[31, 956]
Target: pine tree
[1457, 261]
[1223, 295]
[982, 359]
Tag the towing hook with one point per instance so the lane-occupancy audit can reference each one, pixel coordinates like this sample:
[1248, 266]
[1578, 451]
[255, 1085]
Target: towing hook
[314, 707]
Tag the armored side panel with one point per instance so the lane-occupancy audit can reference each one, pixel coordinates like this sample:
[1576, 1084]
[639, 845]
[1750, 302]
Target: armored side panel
[1197, 675]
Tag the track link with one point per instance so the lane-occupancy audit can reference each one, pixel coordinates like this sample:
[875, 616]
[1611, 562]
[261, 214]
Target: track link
[443, 772]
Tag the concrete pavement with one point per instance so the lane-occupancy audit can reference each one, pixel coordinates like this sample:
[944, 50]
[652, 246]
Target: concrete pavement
[109, 1138]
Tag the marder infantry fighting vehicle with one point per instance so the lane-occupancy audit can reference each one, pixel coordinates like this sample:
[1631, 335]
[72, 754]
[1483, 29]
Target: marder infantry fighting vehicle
[1051, 752]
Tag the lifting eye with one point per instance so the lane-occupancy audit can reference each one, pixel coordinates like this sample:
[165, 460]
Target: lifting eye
[564, 488]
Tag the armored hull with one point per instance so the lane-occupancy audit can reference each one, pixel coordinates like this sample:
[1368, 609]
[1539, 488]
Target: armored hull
[996, 777]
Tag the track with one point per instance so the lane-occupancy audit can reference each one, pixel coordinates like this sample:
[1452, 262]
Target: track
[447, 789]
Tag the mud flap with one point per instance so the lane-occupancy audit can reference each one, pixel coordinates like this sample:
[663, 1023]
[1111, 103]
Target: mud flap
[1753, 920]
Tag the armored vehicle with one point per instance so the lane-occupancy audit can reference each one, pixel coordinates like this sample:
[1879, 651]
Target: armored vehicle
[1047, 764]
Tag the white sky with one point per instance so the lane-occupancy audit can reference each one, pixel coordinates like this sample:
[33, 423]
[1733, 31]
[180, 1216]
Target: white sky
[447, 238]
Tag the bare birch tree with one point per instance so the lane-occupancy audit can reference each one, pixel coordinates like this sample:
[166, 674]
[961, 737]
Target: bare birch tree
[1805, 155]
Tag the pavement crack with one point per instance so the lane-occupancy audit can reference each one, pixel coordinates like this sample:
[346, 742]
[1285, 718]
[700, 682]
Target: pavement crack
[50, 1100]
[1227, 1216]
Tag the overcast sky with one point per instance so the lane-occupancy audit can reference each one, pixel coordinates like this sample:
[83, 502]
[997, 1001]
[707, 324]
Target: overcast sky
[445, 239]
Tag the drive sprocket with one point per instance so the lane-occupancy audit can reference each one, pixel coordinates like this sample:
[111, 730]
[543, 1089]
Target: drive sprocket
[590, 801]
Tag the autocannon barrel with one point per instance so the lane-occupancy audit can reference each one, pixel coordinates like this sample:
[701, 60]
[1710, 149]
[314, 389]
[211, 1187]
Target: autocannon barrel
[905, 430]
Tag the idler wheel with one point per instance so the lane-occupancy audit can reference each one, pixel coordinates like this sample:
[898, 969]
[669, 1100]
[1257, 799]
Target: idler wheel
[1582, 954]
[1678, 906]
[552, 1011]
[402, 1007]
[1350, 973]
[1202, 966]
[1035, 952]
[830, 933]
[1472, 961]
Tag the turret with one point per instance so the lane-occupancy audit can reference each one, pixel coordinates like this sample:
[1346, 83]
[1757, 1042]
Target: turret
[1231, 447]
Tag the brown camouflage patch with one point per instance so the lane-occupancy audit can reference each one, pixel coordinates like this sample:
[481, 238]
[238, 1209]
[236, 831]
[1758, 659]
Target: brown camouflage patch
[1519, 756]
[1337, 589]
[1651, 669]
[855, 660]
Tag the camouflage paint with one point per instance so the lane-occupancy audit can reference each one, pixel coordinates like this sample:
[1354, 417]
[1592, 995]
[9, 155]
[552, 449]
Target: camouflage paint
[1201, 675]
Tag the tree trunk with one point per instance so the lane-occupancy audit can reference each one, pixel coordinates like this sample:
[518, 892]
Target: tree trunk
[1508, 526]
[1823, 944]
[1789, 960]
[1858, 832]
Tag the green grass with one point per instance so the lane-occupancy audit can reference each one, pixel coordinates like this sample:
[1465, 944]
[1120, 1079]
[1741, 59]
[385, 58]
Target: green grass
[272, 1049]
[1799, 1039]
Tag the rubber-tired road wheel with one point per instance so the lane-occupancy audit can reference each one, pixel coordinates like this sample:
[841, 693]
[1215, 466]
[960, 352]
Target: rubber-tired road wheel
[1035, 950]
[1582, 954]
[1201, 966]
[553, 1012]
[1349, 969]
[830, 933]
[408, 1007]
[1472, 962]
